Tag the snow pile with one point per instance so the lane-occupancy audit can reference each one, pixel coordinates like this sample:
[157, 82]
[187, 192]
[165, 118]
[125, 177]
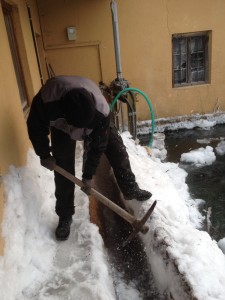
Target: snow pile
[199, 157]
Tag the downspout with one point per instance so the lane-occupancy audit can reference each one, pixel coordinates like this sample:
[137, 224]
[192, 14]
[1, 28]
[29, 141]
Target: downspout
[116, 39]
[35, 44]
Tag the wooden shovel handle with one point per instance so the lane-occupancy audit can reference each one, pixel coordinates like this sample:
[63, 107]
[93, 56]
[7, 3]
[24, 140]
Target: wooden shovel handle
[117, 209]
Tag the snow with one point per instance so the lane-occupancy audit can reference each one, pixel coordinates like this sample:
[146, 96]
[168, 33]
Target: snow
[221, 244]
[199, 157]
[35, 266]
[220, 148]
[205, 121]
[176, 222]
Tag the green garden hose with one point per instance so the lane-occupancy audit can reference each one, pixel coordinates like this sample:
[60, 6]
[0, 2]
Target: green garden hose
[149, 105]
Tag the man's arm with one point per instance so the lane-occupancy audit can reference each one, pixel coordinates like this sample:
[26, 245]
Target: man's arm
[38, 127]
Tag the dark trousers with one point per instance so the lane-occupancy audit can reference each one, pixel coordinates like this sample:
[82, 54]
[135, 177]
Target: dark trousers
[118, 158]
[63, 150]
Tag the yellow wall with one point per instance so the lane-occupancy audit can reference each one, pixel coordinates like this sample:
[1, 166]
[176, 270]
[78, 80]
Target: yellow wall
[14, 141]
[146, 29]
[84, 56]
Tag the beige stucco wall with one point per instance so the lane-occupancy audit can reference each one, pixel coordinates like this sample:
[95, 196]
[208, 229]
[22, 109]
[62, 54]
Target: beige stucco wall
[84, 56]
[146, 29]
[14, 141]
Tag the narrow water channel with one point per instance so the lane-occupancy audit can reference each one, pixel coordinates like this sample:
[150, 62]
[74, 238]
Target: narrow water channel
[129, 266]
[205, 182]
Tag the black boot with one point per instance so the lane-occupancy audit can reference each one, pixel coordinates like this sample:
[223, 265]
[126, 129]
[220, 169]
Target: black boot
[137, 194]
[63, 229]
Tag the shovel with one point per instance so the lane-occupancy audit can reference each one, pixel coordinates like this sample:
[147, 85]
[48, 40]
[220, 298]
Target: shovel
[138, 225]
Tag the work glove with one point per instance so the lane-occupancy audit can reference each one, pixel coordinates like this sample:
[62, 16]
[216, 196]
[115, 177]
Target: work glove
[87, 186]
[48, 163]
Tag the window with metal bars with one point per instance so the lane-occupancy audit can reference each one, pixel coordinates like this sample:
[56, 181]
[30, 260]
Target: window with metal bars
[190, 59]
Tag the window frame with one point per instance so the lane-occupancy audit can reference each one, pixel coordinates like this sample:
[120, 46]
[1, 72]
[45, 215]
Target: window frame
[8, 14]
[188, 37]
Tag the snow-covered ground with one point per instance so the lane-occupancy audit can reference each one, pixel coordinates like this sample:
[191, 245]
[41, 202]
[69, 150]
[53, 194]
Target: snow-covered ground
[174, 243]
[35, 266]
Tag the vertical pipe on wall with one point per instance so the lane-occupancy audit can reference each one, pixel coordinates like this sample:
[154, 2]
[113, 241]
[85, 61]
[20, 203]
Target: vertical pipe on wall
[35, 44]
[116, 39]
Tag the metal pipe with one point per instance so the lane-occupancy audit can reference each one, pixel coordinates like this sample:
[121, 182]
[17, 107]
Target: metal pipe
[35, 43]
[116, 39]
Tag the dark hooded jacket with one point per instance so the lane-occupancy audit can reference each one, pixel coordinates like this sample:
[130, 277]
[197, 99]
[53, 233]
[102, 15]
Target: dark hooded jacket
[46, 111]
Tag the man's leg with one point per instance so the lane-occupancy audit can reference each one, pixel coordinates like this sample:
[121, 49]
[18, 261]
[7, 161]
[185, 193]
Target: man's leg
[119, 160]
[63, 150]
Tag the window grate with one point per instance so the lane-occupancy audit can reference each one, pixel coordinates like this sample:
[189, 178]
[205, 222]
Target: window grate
[190, 59]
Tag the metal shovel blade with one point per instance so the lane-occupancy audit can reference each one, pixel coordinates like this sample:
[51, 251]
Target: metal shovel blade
[139, 224]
